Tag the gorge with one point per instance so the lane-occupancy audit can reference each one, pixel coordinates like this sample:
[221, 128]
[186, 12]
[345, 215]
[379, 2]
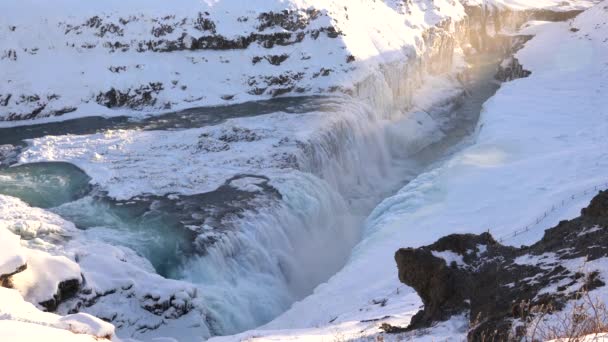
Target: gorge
[188, 222]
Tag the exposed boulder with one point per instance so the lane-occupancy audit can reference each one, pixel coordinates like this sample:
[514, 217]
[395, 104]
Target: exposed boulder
[47, 280]
[499, 285]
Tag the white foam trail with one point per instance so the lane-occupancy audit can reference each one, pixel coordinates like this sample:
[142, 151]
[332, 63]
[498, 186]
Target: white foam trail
[274, 256]
[281, 253]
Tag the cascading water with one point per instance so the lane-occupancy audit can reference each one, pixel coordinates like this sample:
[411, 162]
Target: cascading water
[281, 245]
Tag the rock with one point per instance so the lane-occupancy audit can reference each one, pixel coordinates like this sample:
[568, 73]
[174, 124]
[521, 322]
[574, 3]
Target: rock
[276, 59]
[4, 99]
[48, 280]
[498, 284]
[134, 98]
[65, 290]
[290, 20]
[597, 207]
[510, 69]
[442, 285]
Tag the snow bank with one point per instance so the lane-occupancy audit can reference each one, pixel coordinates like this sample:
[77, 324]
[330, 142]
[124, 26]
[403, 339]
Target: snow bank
[22, 321]
[554, 5]
[41, 281]
[38, 281]
[22, 331]
[12, 257]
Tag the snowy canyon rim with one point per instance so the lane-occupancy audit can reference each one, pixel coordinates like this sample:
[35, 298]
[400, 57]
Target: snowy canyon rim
[338, 188]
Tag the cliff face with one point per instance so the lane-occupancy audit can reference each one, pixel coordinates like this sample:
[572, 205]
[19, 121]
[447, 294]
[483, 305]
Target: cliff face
[126, 57]
[71, 58]
[502, 287]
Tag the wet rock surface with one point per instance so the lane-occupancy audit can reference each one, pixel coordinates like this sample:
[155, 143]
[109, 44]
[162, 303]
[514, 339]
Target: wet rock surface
[499, 284]
[204, 217]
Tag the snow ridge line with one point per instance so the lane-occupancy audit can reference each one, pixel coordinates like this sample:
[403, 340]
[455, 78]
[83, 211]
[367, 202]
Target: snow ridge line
[564, 202]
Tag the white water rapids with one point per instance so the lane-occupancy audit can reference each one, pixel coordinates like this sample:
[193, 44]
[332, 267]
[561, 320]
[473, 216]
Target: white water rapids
[279, 252]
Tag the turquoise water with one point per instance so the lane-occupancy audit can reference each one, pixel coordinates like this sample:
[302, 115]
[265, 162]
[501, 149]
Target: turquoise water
[45, 185]
[65, 190]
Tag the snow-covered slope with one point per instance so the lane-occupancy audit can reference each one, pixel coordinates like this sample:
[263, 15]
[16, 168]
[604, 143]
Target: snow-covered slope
[71, 58]
[151, 56]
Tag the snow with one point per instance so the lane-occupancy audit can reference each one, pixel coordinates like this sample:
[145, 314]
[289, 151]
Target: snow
[22, 321]
[540, 139]
[488, 185]
[590, 306]
[120, 284]
[589, 231]
[40, 281]
[249, 184]
[555, 5]
[538, 260]
[12, 256]
[587, 338]
[41, 34]
[22, 331]
[82, 323]
[450, 257]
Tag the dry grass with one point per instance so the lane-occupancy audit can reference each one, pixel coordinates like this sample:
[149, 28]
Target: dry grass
[587, 316]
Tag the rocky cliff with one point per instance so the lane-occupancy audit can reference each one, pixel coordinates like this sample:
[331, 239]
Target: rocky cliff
[500, 287]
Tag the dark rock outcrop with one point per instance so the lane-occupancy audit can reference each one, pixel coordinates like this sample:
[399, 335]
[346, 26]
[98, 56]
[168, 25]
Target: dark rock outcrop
[510, 69]
[65, 290]
[497, 284]
[164, 29]
[136, 98]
